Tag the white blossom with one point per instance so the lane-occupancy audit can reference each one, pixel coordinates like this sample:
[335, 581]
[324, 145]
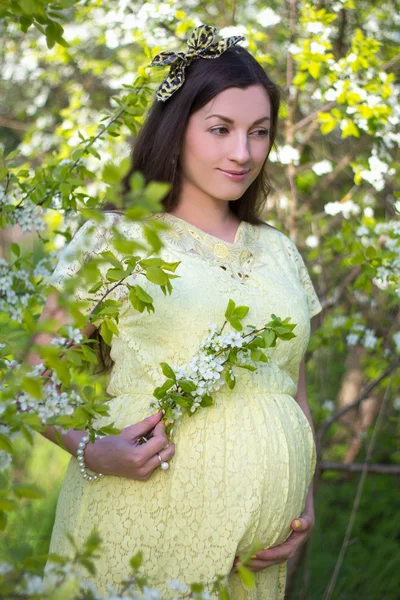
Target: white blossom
[317, 48]
[314, 27]
[362, 230]
[396, 339]
[322, 167]
[5, 460]
[177, 585]
[370, 339]
[339, 321]
[286, 154]
[352, 339]
[5, 568]
[347, 208]
[312, 241]
[268, 18]
[74, 334]
[328, 405]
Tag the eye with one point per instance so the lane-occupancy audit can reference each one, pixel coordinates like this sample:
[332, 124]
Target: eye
[264, 132]
[259, 132]
[217, 128]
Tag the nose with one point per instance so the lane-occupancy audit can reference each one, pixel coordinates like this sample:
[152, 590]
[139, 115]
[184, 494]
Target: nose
[239, 150]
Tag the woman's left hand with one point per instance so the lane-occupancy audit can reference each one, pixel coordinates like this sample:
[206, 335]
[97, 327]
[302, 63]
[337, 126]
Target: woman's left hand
[276, 555]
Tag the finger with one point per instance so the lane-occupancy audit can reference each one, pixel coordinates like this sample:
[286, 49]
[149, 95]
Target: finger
[300, 524]
[154, 462]
[281, 552]
[139, 429]
[154, 446]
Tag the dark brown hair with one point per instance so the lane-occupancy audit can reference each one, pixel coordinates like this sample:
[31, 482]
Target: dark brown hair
[161, 136]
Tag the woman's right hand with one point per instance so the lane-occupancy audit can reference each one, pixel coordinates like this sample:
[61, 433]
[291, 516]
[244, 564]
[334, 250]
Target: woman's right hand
[124, 456]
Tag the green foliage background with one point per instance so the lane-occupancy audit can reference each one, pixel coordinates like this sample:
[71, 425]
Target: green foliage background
[75, 87]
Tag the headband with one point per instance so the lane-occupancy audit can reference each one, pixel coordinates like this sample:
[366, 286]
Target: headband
[201, 45]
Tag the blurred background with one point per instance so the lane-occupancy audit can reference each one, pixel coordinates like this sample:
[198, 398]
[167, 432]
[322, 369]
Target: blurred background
[68, 114]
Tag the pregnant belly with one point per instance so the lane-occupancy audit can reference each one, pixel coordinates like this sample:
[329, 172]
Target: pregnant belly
[247, 461]
[249, 458]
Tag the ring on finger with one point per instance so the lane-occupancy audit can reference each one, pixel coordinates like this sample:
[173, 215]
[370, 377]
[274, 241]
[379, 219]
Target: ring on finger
[163, 464]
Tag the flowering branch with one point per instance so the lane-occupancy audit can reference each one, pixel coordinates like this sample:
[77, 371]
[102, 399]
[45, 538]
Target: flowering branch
[188, 388]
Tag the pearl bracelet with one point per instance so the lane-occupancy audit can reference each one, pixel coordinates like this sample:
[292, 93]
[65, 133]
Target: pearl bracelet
[81, 459]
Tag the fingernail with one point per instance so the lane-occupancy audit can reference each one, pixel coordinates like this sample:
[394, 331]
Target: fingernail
[297, 523]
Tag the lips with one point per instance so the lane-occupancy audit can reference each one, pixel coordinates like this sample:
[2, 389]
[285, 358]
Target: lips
[234, 172]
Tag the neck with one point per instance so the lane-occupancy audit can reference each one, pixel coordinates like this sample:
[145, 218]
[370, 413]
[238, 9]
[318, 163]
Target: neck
[206, 213]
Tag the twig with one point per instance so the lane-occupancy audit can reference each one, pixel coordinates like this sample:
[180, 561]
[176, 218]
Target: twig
[357, 467]
[328, 592]
[363, 396]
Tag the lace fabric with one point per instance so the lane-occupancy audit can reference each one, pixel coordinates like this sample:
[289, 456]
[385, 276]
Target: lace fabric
[242, 467]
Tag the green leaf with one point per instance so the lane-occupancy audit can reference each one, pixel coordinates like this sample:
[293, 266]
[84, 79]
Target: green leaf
[160, 391]
[171, 266]
[143, 295]
[135, 301]
[152, 237]
[112, 326]
[246, 576]
[106, 334]
[111, 258]
[116, 274]
[96, 287]
[3, 520]
[24, 490]
[155, 261]
[235, 324]
[7, 505]
[186, 385]
[15, 249]
[224, 594]
[156, 275]
[111, 173]
[27, 434]
[248, 367]
[5, 443]
[230, 309]
[168, 371]
[156, 191]
[206, 401]
[269, 337]
[240, 311]
[230, 380]
[136, 560]
[136, 181]
[32, 386]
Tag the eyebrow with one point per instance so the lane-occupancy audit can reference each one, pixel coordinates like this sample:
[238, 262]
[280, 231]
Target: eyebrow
[230, 120]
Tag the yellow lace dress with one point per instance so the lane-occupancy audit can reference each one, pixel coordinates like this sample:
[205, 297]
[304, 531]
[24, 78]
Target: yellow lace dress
[242, 467]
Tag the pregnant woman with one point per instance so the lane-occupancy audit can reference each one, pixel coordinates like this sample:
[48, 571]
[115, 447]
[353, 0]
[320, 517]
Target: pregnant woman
[241, 469]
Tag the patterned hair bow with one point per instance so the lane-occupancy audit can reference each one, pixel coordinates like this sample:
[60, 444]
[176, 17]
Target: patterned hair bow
[201, 45]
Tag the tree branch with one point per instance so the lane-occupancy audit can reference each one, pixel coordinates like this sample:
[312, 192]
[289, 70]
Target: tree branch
[363, 396]
[358, 467]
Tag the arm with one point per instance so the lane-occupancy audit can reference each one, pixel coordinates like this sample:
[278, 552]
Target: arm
[52, 311]
[121, 454]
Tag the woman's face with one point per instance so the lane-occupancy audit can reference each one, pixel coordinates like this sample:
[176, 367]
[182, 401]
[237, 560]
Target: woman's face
[235, 140]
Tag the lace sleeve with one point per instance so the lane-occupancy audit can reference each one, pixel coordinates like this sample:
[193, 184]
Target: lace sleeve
[314, 305]
[89, 242]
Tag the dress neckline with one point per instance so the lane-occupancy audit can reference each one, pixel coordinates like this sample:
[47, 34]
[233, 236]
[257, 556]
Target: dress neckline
[189, 227]
[236, 257]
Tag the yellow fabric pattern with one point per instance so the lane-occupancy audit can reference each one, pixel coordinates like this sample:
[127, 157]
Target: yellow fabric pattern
[242, 467]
